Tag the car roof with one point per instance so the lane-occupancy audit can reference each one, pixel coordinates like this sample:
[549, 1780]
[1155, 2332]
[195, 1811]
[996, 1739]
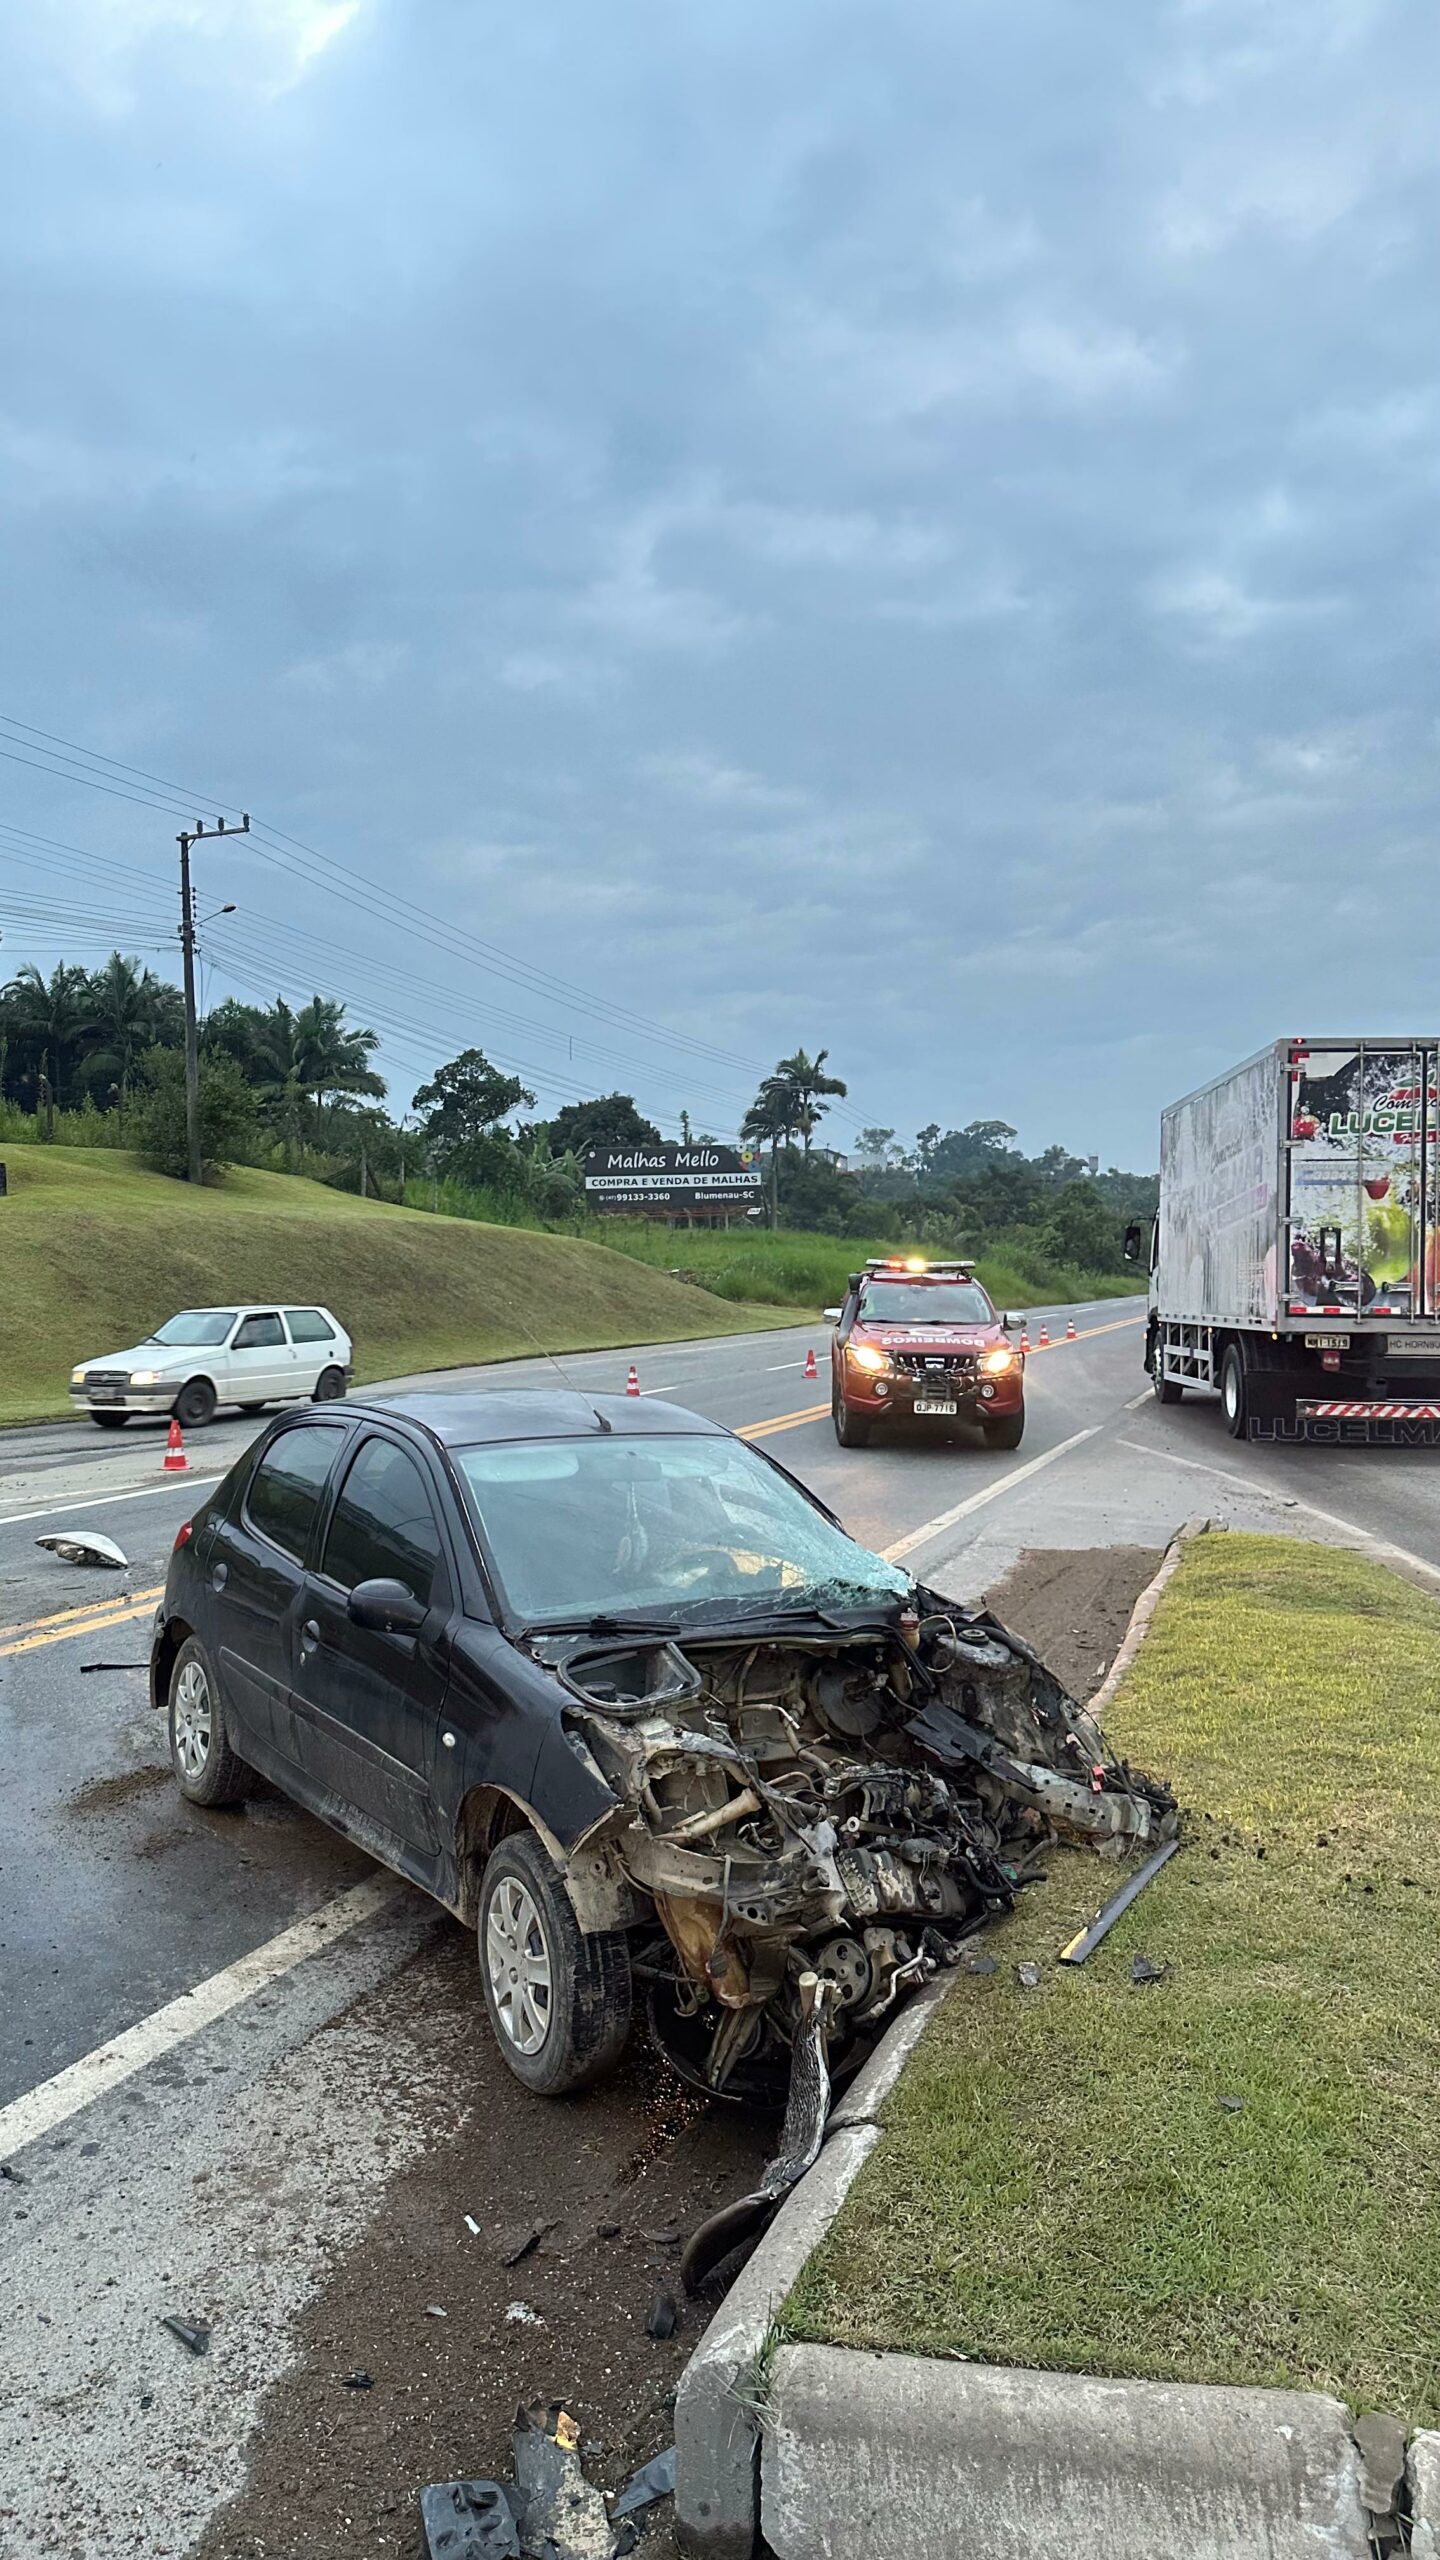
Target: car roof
[254, 1307]
[463, 1418]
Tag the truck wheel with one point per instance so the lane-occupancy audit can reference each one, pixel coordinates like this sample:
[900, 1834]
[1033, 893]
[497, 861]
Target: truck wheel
[1166, 1390]
[558, 1995]
[1233, 1397]
[852, 1430]
[1007, 1433]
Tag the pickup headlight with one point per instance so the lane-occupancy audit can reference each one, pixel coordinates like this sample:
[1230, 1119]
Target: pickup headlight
[997, 1362]
[144, 1377]
[866, 1356]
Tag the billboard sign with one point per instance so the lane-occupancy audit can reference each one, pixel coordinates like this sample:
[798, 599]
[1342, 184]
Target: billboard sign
[669, 1178]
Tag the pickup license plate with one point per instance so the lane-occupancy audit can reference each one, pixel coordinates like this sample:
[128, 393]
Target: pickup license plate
[1327, 1341]
[928, 1404]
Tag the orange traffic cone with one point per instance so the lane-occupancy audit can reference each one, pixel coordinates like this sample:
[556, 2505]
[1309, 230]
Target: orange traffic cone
[1024, 1341]
[1044, 1337]
[176, 1461]
[632, 1383]
[810, 1369]
[1070, 1333]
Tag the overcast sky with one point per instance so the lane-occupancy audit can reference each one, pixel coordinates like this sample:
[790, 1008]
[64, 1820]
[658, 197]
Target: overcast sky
[904, 527]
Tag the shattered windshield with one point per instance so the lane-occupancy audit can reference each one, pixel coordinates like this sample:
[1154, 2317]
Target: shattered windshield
[579, 1529]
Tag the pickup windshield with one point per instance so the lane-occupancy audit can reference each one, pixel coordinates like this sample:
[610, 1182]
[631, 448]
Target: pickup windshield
[201, 1326]
[925, 1302]
[580, 1529]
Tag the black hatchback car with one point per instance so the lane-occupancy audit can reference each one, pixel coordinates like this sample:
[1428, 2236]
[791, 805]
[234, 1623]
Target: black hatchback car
[616, 1689]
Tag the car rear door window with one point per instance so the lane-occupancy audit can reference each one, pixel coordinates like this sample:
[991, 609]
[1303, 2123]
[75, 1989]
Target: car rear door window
[288, 1484]
[383, 1526]
[308, 1325]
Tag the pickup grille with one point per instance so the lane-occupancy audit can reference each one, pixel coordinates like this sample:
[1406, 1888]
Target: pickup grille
[960, 1367]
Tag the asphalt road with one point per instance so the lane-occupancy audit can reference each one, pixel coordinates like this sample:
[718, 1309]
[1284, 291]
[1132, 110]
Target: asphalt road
[229, 2159]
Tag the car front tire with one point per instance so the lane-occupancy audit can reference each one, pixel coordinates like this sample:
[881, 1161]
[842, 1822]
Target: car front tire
[852, 1430]
[558, 1996]
[1006, 1432]
[206, 1770]
[109, 1421]
[195, 1404]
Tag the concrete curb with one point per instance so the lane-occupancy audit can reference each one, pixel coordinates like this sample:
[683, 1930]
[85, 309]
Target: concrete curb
[1422, 2474]
[908, 2458]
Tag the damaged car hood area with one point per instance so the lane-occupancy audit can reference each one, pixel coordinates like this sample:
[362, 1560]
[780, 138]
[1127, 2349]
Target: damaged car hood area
[819, 1801]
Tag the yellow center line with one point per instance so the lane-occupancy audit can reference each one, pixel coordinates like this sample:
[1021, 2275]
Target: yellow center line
[124, 1602]
[780, 1422]
[79, 1623]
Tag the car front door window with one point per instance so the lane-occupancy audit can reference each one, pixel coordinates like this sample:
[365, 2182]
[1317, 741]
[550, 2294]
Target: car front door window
[260, 1361]
[383, 1525]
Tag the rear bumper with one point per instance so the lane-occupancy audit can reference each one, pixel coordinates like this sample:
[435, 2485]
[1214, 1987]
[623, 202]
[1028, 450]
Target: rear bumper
[1354, 1409]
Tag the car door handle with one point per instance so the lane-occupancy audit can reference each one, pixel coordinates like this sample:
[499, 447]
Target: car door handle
[309, 1637]
[219, 1577]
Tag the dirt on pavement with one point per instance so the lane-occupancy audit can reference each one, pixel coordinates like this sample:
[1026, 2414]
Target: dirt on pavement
[620, 2176]
[1073, 1605]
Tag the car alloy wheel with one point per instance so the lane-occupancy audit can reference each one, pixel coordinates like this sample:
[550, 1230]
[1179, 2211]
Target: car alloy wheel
[194, 1720]
[518, 1962]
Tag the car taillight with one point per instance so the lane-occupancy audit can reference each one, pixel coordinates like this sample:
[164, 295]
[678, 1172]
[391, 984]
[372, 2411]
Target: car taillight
[183, 1536]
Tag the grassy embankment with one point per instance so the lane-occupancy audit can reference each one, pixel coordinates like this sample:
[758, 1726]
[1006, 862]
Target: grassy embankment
[94, 1251]
[1059, 2183]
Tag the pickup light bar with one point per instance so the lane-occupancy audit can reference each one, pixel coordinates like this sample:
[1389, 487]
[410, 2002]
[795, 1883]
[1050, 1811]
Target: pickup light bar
[917, 1266]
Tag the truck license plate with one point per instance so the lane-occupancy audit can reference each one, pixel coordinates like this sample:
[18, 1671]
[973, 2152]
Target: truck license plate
[927, 1404]
[1327, 1341]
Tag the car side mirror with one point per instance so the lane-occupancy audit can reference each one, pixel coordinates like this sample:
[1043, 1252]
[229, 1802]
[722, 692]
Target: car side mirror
[832, 1315]
[1013, 1323]
[1130, 1249]
[386, 1608]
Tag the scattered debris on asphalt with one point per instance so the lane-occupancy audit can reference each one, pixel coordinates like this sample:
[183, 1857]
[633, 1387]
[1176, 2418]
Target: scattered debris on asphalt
[192, 2334]
[801, 2136]
[436, 2311]
[663, 2316]
[10, 2174]
[653, 2481]
[607, 2230]
[1085, 1941]
[112, 1666]
[468, 2520]
[558, 2514]
[84, 1546]
[517, 2244]
[359, 2380]
[1147, 1969]
[472, 2226]
[975, 1961]
[1028, 1976]
[524, 2315]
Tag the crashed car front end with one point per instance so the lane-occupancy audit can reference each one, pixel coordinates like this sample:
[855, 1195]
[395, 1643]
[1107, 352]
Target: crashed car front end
[846, 1803]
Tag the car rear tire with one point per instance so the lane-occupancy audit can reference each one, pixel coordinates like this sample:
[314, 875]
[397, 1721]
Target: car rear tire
[195, 1404]
[1006, 1432]
[329, 1386]
[558, 1996]
[206, 1770]
[852, 1430]
[109, 1421]
[1234, 1392]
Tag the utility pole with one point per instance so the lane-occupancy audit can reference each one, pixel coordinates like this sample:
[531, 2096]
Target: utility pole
[194, 1167]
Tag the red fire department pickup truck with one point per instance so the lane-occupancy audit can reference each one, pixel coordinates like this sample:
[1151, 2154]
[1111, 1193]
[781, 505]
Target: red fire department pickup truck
[922, 1339]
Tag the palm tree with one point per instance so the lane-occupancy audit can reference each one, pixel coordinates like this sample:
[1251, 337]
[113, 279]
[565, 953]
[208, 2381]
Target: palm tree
[808, 1081]
[51, 1016]
[128, 1008]
[333, 1057]
[770, 1121]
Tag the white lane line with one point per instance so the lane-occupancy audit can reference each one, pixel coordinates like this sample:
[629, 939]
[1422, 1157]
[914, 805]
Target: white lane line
[1146, 1396]
[1291, 1502]
[989, 1493]
[102, 1501]
[80, 2083]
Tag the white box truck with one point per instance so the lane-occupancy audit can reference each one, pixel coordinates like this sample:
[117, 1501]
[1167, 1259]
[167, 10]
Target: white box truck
[1295, 1261]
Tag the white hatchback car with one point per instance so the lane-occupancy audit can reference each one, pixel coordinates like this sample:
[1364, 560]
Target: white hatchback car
[250, 1356]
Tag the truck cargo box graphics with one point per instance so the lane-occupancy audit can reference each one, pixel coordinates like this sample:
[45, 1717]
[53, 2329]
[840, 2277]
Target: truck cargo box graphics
[1363, 1179]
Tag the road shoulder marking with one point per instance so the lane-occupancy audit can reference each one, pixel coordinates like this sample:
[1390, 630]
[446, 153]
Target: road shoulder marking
[1370, 1538]
[102, 1501]
[988, 1493]
[95, 2074]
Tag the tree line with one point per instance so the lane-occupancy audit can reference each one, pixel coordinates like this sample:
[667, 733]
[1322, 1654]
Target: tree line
[98, 1057]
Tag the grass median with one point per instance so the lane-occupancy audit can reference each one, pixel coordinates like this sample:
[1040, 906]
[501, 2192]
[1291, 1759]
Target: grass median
[1060, 2183]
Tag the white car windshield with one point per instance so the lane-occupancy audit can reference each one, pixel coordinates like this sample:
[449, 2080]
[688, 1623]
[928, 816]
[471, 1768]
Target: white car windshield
[615, 1527]
[200, 1326]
